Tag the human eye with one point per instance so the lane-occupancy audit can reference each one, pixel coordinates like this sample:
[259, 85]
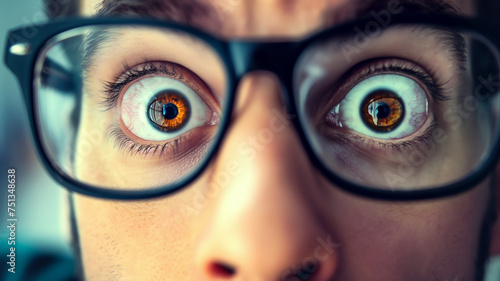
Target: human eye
[388, 103]
[141, 106]
[160, 104]
[396, 111]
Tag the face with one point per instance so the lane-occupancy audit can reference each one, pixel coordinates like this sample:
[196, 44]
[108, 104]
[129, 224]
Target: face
[261, 211]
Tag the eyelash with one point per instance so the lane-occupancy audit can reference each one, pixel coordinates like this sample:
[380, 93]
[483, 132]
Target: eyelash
[114, 89]
[122, 141]
[408, 146]
[438, 92]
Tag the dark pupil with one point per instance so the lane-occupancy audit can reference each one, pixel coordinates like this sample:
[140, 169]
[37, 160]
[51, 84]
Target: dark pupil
[382, 110]
[170, 111]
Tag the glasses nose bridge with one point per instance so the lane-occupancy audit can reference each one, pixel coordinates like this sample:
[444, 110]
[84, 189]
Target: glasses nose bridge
[276, 57]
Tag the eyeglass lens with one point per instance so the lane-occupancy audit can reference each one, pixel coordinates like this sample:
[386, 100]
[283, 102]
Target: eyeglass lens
[407, 107]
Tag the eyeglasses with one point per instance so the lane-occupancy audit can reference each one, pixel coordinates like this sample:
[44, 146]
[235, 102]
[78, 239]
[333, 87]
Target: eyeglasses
[136, 108]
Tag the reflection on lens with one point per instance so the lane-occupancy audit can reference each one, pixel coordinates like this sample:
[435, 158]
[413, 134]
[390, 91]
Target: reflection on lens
[139, 108]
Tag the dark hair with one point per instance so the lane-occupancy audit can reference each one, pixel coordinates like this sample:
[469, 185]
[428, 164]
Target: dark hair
[61, 8]
[64, 8]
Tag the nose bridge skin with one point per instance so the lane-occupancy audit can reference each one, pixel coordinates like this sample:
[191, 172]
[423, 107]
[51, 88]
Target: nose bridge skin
[264, 224]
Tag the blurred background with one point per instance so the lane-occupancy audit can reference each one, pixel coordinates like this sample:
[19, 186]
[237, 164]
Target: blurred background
[41, 204]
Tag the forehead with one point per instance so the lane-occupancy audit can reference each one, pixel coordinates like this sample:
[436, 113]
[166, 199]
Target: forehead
[267, 18]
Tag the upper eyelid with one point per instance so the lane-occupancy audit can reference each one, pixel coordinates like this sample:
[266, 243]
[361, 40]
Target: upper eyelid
[113, 89]
[437, 91]
[383, 65]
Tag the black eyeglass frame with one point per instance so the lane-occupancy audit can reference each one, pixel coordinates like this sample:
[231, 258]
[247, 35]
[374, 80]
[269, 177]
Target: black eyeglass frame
[240, 57]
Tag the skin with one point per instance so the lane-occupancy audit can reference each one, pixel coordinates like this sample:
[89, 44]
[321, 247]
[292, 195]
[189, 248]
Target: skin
[275, 210]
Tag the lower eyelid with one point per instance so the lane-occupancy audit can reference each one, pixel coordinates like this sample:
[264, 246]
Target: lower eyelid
[370, 145]
[123, 140]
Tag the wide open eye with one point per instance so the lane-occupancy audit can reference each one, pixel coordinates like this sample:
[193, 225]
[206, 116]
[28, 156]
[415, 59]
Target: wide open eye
[160, 108]
[385, 106]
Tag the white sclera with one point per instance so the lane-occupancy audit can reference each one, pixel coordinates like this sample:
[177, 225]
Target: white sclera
[136, 101]
[413, 97]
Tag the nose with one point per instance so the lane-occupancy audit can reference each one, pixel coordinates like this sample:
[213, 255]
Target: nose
[265, 223]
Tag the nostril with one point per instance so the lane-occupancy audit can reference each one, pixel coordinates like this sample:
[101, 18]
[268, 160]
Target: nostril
[221, 270]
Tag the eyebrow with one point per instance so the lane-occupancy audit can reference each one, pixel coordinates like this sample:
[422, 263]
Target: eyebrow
[196, 13]
[202, 14]
[190, 12]
[362, 8]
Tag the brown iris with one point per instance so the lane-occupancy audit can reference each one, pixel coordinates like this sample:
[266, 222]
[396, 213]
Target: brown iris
[169, 111]
[382, 111]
